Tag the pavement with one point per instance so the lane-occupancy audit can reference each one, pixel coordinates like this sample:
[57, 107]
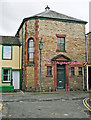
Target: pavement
[72, 104]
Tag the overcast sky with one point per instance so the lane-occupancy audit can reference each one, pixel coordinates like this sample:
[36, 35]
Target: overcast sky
[12, 12]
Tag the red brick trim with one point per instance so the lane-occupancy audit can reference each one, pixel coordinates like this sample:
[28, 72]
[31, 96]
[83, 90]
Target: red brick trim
[36, 72]
[76, 65]
[67, 78]
[60, 35]
[48, 65]
[55, 75]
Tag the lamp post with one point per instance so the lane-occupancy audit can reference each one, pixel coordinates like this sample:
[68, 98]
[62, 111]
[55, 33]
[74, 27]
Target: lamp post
[40, 48]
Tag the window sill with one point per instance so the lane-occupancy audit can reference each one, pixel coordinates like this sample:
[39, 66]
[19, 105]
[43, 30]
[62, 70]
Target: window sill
[30, 65]
[49, 76]
[79, 75]
[60, 50]
[6, 81]
[72, 76]
[6, 59]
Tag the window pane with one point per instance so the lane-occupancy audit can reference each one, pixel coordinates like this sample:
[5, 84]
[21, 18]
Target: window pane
[49, 70]
[58, 40]
[31, 51]
[6, 52]
[31, 55]
[72, 71]
[62, 40]
[30, 59]
[62, 46]
[58, 47]
[61, 43]
[31, 43]
[80, 70]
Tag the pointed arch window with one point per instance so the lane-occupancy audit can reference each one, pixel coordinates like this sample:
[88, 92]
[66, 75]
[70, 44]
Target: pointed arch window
[31, 51]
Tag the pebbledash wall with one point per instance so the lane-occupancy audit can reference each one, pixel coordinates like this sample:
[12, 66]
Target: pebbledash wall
[74, 55]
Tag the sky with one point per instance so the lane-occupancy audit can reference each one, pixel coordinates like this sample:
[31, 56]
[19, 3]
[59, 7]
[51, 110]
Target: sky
[12, 12]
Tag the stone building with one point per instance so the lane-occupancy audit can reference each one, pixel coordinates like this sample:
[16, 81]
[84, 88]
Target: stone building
[62, 55]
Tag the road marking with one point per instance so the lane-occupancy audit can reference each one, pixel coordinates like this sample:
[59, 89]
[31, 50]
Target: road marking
[1, 105]
[86, 104]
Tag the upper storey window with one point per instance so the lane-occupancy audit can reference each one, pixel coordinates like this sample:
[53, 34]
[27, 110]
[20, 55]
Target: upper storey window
[61, 43]
[6, 52]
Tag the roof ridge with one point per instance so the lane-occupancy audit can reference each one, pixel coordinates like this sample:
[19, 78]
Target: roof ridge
[65, 15]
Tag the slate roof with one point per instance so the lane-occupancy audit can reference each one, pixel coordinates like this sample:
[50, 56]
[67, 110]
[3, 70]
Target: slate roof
[9, 40]
[53, 15]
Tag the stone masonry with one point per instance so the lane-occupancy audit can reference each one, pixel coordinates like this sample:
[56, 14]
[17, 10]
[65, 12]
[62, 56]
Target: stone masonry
[47, 31]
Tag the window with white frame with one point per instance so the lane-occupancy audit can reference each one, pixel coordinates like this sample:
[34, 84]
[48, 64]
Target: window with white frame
[31, 51]
[6, 75]
[7, 52]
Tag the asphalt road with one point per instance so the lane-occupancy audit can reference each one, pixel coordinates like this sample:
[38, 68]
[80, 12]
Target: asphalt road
[51, 105]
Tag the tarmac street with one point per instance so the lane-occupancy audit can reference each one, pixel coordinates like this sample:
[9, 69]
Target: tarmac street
[45, 105]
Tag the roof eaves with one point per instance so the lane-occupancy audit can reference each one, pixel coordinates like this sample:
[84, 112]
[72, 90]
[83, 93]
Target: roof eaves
[49, 18]
[63, 20]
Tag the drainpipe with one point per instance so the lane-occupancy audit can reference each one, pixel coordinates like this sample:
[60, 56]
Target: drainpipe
[86, 48]
[84, 65]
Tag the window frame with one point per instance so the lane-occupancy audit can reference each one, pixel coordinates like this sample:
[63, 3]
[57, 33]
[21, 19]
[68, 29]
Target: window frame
[10, 74]
[33, 47]
[50, 70]
[3, 52]
[72, 71]
[80, 71]
[61, 44]
[61, 36]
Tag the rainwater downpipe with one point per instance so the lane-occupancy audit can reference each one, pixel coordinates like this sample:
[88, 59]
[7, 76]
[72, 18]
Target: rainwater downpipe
[84, 65]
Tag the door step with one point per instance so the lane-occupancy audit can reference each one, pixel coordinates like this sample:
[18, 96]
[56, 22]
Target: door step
[60, 90]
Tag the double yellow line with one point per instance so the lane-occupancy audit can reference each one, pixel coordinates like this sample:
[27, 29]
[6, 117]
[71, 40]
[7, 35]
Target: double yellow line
[85, 102]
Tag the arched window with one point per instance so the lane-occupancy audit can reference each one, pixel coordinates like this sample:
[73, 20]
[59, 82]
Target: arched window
[30, 51]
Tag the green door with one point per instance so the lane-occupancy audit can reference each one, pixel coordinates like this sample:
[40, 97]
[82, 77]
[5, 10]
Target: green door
[61, 76]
